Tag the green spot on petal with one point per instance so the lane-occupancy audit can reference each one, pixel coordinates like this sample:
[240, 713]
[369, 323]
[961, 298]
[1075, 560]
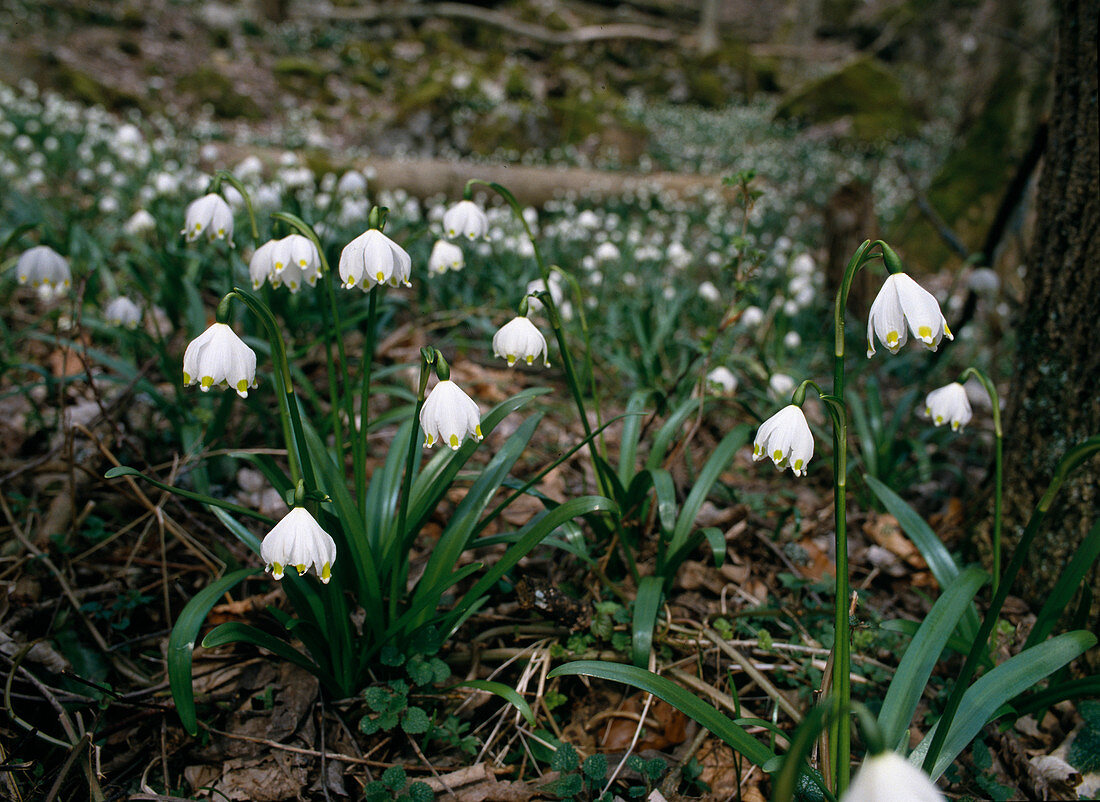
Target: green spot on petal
[453, 441]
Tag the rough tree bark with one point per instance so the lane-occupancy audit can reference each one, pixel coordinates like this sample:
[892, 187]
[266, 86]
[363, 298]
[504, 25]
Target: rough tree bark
[1055, 399]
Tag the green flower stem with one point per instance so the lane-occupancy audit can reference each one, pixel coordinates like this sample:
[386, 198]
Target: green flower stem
[840, 729]
[289, 413]
[998, 466]
[555, 321]
[1069, 463]
[398, 545]
[306, 230]
[232, 180]
[360, 446]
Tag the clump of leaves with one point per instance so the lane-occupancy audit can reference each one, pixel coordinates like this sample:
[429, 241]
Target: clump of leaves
[394, 785]
[584, 780]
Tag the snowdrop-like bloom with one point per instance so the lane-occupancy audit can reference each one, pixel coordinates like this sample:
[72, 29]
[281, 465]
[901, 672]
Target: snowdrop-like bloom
[752, 317]
[949, 404]
[903, 306]
[785, 438]
[465, 219]
[211, 214]
[792, 340]
[519, 339]
[142, 222]
[373, 258]
[122, 312]
[984, 281]
[607, 252]
[721, 381]
[889, 776]
[445, 256]
[708, 292]
[352, 182]
[448, 415]
[291, 260]
[42, 266]
[299, 542]
[218, 357]
[781, 385]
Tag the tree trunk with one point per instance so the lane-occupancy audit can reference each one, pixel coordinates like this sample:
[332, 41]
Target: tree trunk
[1055, 398]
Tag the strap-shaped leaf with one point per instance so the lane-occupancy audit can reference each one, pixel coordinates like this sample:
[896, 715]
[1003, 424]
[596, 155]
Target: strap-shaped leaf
[239, 632]
[505, 692]
[933, 551]
[530, 536]
[985, 697]
[181, 643]
[646, 606]
[683, 700]
[456, 537]
[237, 528]
[685, 523]
[1062, 593]
[124, 470]
[632, 427]
[907, 686]
[668, 430]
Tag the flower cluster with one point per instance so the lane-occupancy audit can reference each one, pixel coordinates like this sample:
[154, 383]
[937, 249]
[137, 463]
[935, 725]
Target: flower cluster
[371, 259]
[291, 260]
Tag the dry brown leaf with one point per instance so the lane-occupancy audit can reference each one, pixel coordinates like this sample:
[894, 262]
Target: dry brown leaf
[665, 726]
[886, 532]
[244, 609]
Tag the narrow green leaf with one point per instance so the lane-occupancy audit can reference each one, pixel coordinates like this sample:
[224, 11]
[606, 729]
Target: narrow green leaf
[683, 700]
[632, 426]
[985, 697]
[124, 470]
[907, 686]
[456, 537]
[530, 536]
[181, 643]
[239, 632]
[1063, 591]
[939, 560]
[717, 542]
[505, 692]
[668, 431]
[646, 606]
[238, 529]
[718, 462]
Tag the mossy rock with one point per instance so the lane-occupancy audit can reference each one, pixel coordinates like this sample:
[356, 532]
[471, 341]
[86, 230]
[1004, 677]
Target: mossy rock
[79, 85]
[865, 92]
[207, 85]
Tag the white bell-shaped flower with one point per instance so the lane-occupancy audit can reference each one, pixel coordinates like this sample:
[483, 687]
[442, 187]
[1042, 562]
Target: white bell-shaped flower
[299, 542]
[785, 438]
[352, 182]
[142, 222]
[722, 381]
[752, 317]
[218, 357]
[210, 214]
[448, 415]
[292, 260]
[42, 266]
[445, 256]
[607, 252]
[372, 258]
[903, 307]
[465, 219]
[519, 339]
[123, 312]
[949, 404]
[888, 777]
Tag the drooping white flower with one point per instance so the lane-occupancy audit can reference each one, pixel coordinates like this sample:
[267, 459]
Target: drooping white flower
[557, 293]
[984, 281]
[121, 311]
[786, 439]
[888, 777]
[352, 182]
[780, 385]
[141, 222]
[520, 339]
[291, 260]
[42, 266]
[752, 317]
[445, 256]
[211, 214]
[607, 252]
[218, 357]
[722, 381]
[949, 404]
[448, 415]
[903, 307]
[465, 219]
[372, 258]
[299, 542]
[792, 340]
[708, 292]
